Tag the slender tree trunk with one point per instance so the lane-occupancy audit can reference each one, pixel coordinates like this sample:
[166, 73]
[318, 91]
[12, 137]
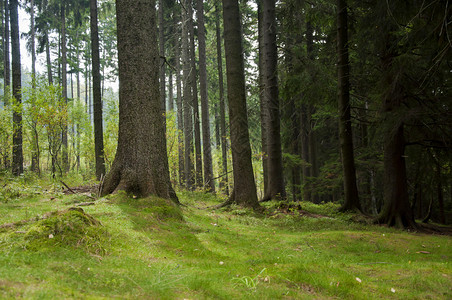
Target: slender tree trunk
[97, 97]
[180, 114]
[263, 103]
[345, 126]
[65, 155]
[170, 90]
[49, 62]
[306, 170]
[224, 150]
[193, 74]
[7, 62]
[271, 97]
[140, 166]
[207, 155]
[187, 103]
[244, 192]
[18, 159]
[161, 21]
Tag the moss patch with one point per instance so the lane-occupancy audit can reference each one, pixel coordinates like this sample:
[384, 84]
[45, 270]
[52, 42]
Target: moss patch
[67, 228]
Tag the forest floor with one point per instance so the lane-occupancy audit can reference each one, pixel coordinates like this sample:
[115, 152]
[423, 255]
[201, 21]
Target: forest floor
[55, 245]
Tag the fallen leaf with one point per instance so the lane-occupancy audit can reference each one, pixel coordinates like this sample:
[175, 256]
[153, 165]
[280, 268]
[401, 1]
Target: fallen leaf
[221, 263]
[393, 290]
[51, 236]
[359, 280]
[423, 252]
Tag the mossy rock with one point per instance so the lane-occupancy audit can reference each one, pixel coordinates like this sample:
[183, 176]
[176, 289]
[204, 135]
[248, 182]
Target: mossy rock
[67, 228]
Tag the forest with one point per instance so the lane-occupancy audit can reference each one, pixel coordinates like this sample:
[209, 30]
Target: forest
[191, 127]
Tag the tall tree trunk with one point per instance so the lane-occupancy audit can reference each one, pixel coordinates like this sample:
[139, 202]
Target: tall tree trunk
[49, 62]
[207, 155]
[193, 74]
[180, 118]
[34, 136]
[187, 103]
[7, 62]
[244, 192]
[345, 127]
[170, 90]
[140, 166]
[271, 98]
[161, 21]
[224, 150]
[263, 103]
[18, 159]
[306, 169]
[65, 155]
[97, 97]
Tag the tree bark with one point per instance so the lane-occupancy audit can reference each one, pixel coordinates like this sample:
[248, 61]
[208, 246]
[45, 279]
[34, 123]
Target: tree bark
[97, 97]
[271, 98]
[17, 159]
[187, 103]
[65, 155]
[351, 201]
[180, 118]
[161, 20]
[7, 62]
[141, 163]
[209, 182]
[263, 103]
[224, 183]
[244, 192]
[193, 75]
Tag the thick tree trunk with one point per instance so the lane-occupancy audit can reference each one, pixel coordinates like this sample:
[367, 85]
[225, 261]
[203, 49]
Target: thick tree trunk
[345, 126]
[141, 163]
[306, 170]
[396, 210]
[244, 192]
[209, 182]
[35, 137]
[18, 158]
[271, 97]
[97, 97]
[187, 104]
[224, 183]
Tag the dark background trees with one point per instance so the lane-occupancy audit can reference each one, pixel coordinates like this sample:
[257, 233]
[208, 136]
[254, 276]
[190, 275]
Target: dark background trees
[339, 101]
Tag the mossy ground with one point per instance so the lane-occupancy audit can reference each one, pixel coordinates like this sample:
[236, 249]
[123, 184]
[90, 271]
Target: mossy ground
[149, 248]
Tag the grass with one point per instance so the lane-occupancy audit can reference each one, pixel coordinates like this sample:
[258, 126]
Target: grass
[148, 248]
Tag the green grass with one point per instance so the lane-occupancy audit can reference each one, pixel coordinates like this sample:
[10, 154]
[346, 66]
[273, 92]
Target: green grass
[150, 249]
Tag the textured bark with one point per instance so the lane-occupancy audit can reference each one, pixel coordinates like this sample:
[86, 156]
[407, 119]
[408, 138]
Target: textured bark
[271, 98]
[7, 62]
[180, 118]
[209, 182]
[141, 163]
[244, 192]
[17, 159]
[97, 96]
[34, 138]
[187, 104]
[263, 103]
[162, 54]
[49, 62]
[396, 209]
[224, 183]
[345, 127]
[65, 155]
[194, 86]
